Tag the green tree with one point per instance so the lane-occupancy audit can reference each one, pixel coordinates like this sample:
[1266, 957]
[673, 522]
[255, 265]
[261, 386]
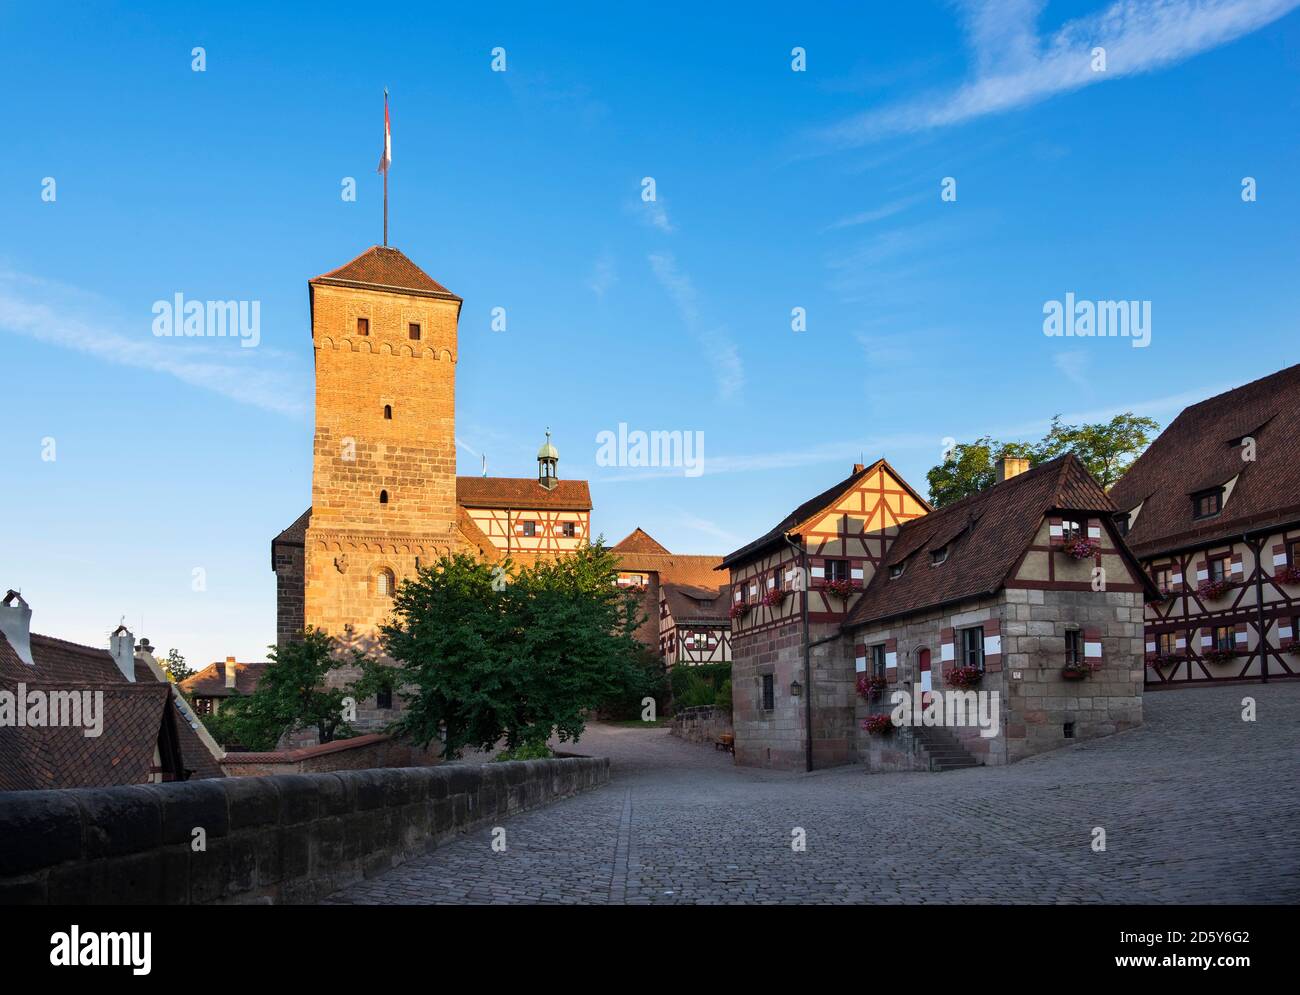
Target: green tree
[1106, 449]
[292, 695]
[522, 661]
[175, 666]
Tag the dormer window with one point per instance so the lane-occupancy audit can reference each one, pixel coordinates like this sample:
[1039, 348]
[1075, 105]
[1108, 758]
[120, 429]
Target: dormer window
[1122, 523]
[937, 556]
[1207, 504]
[896, 571]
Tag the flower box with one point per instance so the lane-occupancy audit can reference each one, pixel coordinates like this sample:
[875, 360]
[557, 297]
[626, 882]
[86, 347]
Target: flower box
[878, 725]
[1288, 575]
[774, 597]
[1075, 671]
[839, 588]
[871, 687]
[1219, 655]
[1082, 548]
[739, 610]
[1213, 590]
[964, 677]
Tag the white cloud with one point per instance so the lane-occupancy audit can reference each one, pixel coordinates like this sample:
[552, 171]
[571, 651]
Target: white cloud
[1015, 67]
[728, 368]
[603, 275]
[1073, 364]
[875, 214]
[68, 318]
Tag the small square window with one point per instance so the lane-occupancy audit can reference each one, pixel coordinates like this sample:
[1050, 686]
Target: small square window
[1219, 568]
[1067, 730]
[363, 326]
[530, 528]
[384, 699]
[1207, 504]
[570, 530]
[837, 569]
[972, 647]
[413, 331]
[1166, 643]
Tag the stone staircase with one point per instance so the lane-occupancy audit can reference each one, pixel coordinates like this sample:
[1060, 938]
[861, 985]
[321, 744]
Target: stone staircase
[942, 749]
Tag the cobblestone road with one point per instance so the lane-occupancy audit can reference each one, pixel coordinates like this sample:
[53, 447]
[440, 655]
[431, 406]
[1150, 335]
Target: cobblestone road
[1197, 806]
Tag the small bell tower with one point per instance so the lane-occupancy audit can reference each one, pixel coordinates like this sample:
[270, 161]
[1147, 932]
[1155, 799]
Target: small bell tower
[548, 459]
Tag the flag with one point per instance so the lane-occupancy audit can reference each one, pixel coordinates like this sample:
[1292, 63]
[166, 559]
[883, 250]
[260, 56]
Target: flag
[386, 157]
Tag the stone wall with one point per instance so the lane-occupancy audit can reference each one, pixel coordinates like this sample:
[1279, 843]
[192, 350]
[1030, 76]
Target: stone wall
[290, 591]
[359, 753]
[776, 738]
[1036, 701]
[288, 839]
[701, 723]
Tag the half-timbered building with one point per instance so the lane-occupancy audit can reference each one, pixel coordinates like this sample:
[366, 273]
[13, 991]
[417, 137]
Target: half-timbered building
[694, 627]
[645, 566]
[1212, 509]
[792, 702]
[1024, 593]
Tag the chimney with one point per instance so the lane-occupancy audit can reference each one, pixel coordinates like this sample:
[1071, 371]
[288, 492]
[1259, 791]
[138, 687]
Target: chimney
[16, 624]
[230, 672]
[1010, 466]
[121, 644]
[858, 467]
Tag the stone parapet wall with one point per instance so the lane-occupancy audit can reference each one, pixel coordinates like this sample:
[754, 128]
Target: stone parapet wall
[291, 838]
[701, 724]
[359, 753]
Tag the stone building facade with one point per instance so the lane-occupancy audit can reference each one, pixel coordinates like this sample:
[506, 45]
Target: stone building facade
[386, 499]
[1026, 588]
[793, 587]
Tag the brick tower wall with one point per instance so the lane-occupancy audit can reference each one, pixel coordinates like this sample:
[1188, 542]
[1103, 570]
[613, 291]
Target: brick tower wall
[358, 452]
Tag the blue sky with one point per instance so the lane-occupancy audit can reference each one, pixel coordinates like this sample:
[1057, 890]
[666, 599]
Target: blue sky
[522, 189]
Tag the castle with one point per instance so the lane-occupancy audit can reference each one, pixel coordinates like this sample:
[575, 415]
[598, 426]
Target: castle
[385, 497]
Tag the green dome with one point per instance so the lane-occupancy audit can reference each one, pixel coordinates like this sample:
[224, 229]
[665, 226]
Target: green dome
[548, 451]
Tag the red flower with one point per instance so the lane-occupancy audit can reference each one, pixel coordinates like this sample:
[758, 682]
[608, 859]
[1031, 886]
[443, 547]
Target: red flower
[1213, 590]
[878, 725]
[1288, 575]
[738, 610]
[871, 686]
[964, 677]
[839, 588]
[1082, 548]
[774, 597]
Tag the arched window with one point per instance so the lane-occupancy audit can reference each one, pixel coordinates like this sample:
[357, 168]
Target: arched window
[383, 497]
[388, 411]
[385, 583]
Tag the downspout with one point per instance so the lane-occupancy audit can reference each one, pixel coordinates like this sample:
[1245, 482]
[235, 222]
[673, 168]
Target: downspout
[807, 651]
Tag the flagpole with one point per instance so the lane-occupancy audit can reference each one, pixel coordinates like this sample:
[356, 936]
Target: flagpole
[385, 170]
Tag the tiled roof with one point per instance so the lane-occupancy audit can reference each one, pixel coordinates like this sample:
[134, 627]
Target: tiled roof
[639, 541]
[773, 537]
[522, 493]
[697, 604]
[1201, 449]
[475, 536]
[210, 682]
[673, 568]
[64, 757]
[987, 531]
[135, 716]
[383, 268]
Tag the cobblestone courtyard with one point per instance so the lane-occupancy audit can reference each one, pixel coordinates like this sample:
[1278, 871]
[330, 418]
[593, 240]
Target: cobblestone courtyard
[1197, 806]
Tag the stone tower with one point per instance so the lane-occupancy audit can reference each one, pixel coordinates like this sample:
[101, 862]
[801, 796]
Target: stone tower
[384, 455]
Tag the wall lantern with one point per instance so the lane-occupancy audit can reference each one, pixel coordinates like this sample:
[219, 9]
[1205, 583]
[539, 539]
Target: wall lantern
[796, 689]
